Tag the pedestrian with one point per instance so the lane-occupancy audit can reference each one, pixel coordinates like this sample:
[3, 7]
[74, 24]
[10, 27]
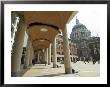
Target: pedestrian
[93, 54]
[97, 55]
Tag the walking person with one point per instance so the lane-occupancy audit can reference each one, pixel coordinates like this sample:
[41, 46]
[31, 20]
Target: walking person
[93, 54]
[97, 55]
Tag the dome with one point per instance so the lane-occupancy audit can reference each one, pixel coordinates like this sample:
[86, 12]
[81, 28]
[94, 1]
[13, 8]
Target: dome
[79, 32]
[79, 26]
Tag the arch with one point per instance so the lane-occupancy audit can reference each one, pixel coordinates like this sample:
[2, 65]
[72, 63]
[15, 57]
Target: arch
[41, 39]
[39, 24]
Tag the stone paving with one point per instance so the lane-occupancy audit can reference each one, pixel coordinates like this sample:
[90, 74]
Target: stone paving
[84, 70]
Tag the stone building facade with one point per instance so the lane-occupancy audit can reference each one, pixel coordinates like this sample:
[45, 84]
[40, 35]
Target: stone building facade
[84, 42]
[80, 32]
[59, 48]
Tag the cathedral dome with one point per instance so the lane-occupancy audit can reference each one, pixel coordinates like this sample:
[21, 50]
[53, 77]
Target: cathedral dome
[79, 32]
[79, 26]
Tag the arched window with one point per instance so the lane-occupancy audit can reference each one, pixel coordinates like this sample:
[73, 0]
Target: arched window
[76, 34]
[81, 34]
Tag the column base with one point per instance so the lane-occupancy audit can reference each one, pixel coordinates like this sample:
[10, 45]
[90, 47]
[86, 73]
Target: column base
[25, 67]
[38, 62]
[30, 65]
[15, 74]
[49, 63]
[54, 65]
[68, 70]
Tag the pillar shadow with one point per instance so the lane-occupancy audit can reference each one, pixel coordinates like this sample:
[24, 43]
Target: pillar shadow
[24, 71]
[52, 75]
[39, 64]
[38, 68]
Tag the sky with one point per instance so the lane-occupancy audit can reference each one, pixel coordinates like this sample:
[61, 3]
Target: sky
[91, 17]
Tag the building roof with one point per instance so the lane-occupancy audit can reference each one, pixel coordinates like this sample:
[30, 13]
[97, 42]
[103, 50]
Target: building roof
[79, 26]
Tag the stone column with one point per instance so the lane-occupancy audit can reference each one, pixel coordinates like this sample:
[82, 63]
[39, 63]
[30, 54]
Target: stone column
[31, 55]
[17, 49]
[49, 55]
[67, 61]
[54, 54]
[43, 53]
[46, 55]
[27, 56]
[38, 56]
[73, 59]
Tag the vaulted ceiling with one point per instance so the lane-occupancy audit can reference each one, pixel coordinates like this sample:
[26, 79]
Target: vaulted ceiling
[43, 26]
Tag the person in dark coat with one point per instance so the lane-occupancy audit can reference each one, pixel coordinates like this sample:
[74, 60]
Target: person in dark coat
[86, 56]
[93, 55]
[97, 55]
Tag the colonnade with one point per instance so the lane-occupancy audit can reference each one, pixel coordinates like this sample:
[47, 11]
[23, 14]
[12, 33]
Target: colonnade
[18, 48]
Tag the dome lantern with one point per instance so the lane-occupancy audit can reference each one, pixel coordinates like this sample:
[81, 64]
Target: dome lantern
[77, 21]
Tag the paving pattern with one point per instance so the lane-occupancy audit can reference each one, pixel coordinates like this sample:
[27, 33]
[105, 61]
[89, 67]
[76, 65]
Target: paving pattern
[84, 70]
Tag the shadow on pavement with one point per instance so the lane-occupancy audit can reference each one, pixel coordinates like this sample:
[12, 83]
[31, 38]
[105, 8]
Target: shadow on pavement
[52, 75]
[24, 71]
[39, 64]
[38, 68]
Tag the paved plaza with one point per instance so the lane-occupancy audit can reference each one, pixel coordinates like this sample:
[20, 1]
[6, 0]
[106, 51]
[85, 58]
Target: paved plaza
[84, 70]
